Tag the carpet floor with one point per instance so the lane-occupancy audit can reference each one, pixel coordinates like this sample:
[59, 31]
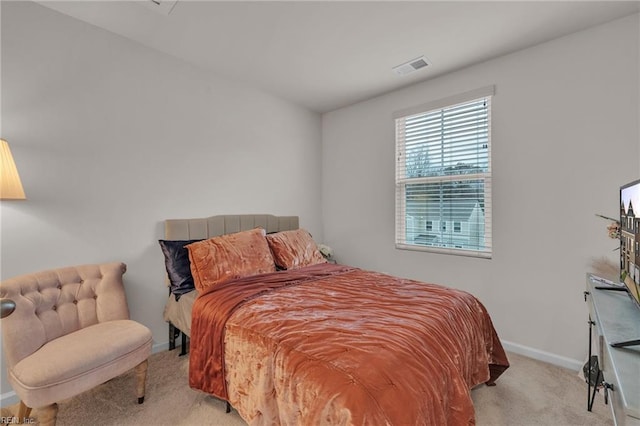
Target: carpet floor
[530, 392]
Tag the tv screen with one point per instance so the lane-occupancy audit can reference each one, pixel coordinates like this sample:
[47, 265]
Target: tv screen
[630, 238]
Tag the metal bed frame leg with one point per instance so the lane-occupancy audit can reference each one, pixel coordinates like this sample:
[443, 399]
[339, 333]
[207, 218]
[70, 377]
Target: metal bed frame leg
[185, 345]
[175, 332]
[172, 337]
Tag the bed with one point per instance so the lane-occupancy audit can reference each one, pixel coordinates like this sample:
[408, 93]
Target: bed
[182, 294]
[293, 339]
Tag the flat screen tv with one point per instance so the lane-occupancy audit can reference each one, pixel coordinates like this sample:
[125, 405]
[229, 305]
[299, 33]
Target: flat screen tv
[630, 245]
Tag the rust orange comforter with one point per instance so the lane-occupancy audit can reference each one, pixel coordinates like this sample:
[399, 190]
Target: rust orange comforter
[330, 344]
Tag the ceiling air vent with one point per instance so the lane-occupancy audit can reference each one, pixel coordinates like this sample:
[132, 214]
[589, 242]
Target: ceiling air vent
[411, 66]
[163, 6]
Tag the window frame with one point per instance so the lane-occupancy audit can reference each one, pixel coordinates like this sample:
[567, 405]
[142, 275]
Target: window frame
[486, 177]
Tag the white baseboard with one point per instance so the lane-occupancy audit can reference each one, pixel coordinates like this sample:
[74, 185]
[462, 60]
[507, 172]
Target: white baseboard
[10, 398]
[160, 347]
[550, 358]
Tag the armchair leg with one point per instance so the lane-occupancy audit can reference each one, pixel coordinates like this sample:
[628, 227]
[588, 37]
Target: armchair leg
[48, 415]
[141, 380]
[23, 411]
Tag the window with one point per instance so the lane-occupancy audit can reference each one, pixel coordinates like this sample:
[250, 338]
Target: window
[443, 174]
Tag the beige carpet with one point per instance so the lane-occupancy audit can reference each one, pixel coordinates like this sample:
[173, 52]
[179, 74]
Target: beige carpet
[529, 393]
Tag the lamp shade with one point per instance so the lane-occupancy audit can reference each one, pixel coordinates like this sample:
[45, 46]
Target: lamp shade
[10, 185]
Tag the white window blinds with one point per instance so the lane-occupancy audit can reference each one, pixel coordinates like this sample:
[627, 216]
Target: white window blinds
[443, 175]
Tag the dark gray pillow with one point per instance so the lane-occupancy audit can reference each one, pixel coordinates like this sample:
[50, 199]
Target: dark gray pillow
[176, 260]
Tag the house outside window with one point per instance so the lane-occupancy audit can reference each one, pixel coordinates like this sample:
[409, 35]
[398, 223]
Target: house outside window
[443, 174]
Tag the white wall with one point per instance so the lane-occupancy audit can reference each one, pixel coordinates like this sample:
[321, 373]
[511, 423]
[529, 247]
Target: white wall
[565, 137]
[111, 138]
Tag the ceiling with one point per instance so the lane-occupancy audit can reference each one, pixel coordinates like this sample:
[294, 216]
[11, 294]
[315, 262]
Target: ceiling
[328, 54]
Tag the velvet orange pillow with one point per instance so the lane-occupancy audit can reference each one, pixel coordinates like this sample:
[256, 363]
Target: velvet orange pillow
[294, 249]
[228, 257]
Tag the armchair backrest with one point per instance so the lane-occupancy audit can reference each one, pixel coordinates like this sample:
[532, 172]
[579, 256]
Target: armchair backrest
[51, 304]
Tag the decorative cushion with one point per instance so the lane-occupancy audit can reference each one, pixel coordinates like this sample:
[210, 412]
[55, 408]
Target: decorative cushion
[176, 260]
[229, 257]
[294, 249]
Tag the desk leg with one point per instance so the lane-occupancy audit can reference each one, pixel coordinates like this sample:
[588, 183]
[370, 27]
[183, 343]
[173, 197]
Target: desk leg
[591, 395]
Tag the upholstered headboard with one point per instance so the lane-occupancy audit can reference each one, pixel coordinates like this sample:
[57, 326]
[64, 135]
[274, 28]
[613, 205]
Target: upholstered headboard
[191, 229]
[178, 314]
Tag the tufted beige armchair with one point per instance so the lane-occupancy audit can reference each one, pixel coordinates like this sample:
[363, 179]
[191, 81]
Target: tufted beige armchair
[70, 331]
